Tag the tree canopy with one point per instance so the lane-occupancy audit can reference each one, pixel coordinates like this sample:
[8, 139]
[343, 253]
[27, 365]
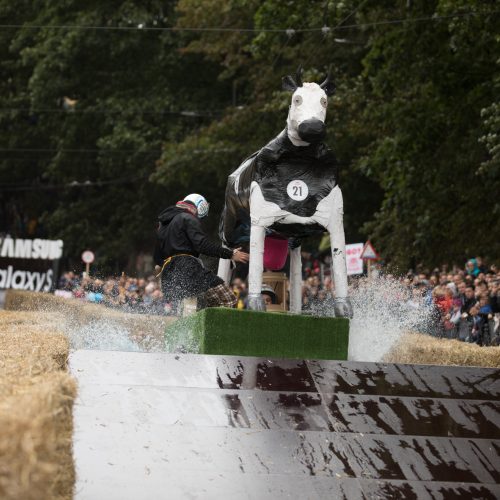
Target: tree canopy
[109, 111]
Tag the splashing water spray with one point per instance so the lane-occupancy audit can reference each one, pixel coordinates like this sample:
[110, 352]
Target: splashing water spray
[101, 335]
[97, 327]
[383, 312]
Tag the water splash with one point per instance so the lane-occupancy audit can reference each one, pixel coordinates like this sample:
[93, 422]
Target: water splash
[95, 326]
[102, 335]
[384, 310]
[181, 339]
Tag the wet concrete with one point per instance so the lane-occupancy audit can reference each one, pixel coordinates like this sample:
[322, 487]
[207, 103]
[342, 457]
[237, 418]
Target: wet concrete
[150, 425]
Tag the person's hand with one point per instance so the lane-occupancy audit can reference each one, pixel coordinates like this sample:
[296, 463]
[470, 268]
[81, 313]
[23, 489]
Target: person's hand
[240, 256]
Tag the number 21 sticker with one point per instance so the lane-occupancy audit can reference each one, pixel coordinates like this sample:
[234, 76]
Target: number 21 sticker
[297, 190]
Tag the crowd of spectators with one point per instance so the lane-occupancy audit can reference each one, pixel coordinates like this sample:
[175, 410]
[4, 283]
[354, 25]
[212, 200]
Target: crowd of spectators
[457, 303]
[137, 295]
[463, 303]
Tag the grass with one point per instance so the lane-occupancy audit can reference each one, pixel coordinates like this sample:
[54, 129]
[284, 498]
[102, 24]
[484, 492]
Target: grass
[251, 333]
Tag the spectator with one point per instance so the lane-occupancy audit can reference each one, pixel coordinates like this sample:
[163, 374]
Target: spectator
[269, 295]
[240, 291]
[485, 307]
[480, 266]
[471, 268]
[469, 299]
[67, 281]
[480, 289]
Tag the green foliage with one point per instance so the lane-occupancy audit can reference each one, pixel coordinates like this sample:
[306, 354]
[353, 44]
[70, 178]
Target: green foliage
[414, 124]
[254, 63]
[96, 106]
[426, 86]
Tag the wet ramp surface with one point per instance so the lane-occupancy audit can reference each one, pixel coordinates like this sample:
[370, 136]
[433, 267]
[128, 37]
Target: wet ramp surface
[154, 425]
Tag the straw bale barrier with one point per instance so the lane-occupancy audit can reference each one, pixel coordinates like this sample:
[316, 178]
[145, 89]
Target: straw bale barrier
[37, 393]
[35, 440]
[36, 400]
[146, 329]
[420, 349]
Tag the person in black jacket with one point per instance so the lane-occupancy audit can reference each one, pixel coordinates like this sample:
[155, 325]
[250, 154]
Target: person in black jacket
[180, 241]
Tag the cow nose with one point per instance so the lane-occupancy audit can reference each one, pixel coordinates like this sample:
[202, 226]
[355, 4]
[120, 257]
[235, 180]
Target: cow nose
[312, 130]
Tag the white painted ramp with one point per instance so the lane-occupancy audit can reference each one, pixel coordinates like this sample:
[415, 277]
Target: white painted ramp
[157, 425]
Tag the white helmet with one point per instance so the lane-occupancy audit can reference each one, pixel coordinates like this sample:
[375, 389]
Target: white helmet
[200, 203]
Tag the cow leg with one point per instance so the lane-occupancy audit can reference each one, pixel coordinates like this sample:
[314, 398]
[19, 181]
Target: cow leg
[224, 270]
[295, 281]
[256, 266]
[342, 304]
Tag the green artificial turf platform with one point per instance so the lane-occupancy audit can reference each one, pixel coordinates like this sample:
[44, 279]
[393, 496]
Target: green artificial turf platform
[264, 334]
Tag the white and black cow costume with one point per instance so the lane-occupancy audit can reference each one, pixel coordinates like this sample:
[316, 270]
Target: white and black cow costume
[289, 188]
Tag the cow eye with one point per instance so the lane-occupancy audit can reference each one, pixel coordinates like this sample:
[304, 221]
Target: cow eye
[323, 102]
[297, 100]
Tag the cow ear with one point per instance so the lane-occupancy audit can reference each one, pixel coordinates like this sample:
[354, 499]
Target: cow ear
[288, 83]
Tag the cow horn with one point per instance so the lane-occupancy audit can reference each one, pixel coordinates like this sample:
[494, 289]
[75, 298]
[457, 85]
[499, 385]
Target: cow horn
[328, 86]
[327, 79]
[298, 76]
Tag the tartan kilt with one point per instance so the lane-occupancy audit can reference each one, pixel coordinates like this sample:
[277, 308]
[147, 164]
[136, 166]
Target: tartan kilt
[220, 296]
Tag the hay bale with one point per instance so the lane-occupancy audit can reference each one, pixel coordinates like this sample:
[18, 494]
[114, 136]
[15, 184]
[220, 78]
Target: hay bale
[145, 329]
[36, 399]
[36, 393]
[416, 348]
[36, 440]
[28, 354]
[21, 300]
[34, 345]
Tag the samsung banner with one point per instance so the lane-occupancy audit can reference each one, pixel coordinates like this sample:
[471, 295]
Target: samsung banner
[29, 264]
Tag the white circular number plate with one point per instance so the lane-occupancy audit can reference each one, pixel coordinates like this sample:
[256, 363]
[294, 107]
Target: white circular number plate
[297, 190]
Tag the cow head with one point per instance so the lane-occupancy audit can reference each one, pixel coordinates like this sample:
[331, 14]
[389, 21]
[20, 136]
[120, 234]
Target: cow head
[306, 117]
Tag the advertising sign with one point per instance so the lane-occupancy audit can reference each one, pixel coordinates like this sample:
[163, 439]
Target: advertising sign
[29, 264]
[353, 258]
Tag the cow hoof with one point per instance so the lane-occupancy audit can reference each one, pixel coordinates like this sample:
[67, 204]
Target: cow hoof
[256, 303]
[342, 307]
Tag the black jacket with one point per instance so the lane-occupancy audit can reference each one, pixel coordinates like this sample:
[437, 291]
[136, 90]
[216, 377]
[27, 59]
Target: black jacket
[180, 232]
[467, 304]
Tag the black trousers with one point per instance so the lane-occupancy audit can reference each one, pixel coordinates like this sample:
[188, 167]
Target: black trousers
[185, 276]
